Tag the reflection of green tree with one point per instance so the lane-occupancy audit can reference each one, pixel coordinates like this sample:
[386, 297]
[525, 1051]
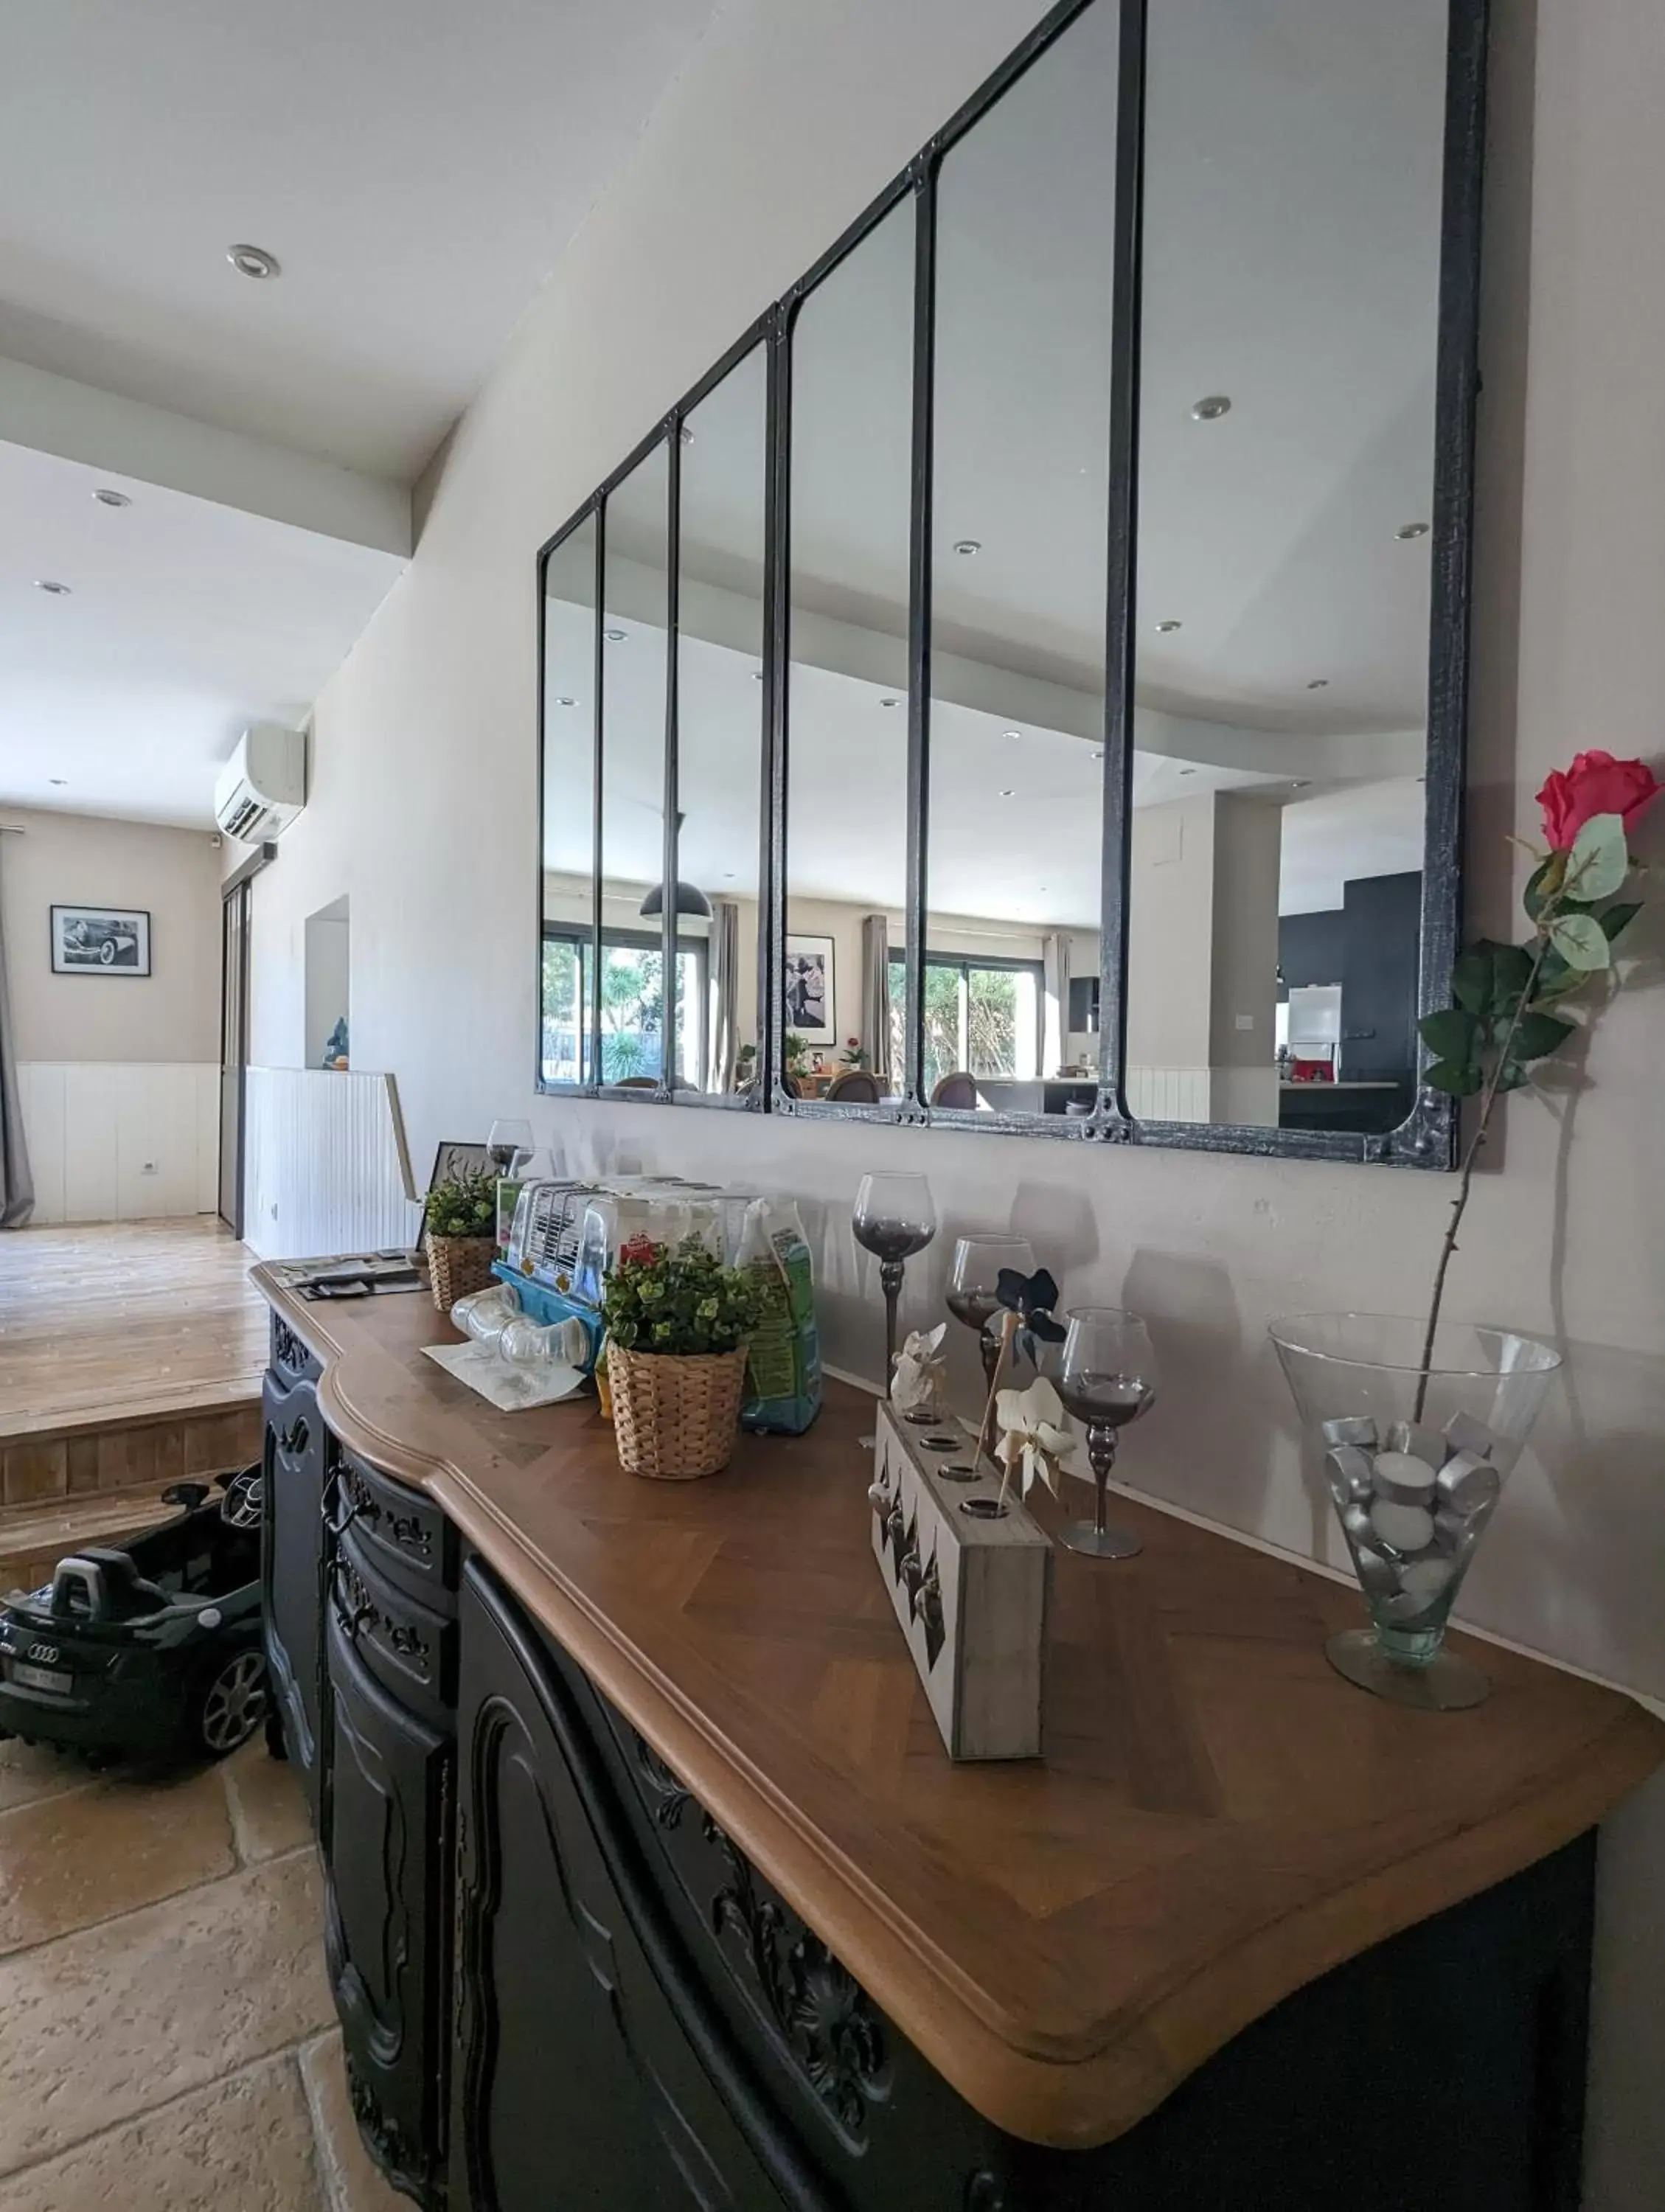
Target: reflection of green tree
[992, 1013]
[942, 1024]
[561, 1024]
[632, 1013]
[983, 1043]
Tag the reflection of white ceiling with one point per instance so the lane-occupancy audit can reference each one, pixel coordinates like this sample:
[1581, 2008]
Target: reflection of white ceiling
[1367, 830]
[186, 621]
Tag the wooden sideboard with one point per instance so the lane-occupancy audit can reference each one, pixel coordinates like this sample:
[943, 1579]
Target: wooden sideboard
[648, 1883]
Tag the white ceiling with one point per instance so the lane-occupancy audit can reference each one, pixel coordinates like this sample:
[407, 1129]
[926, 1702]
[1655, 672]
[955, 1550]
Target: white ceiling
[186, 620]
[416, 166]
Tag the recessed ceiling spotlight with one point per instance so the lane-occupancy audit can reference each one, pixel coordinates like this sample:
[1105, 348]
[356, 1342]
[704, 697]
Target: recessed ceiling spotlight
[685, 435]
[105, 498]
[58, 781]
[1166, 628]
[968, 546]
[1009, 792]
[889, 703]
[58, 591]
[1014, 735]
[614, 636]
[757, 675]
[728, 875]
[1319, 683]
[1412, 530]
[253, 261]
[1211, 409]
[1188, 771]
[1299, 782]
[566, 700]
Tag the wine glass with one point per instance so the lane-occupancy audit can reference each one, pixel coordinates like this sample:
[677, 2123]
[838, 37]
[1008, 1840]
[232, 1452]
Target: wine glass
[973, 1285]
[508, 1142]
[895, 1216]
[1108, 1378]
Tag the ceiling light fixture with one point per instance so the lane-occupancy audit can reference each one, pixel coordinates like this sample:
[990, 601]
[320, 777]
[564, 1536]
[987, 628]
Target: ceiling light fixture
[1188, 771]
[105, 498]
[1166, 628]
[1015, 735]
[1299, 782]
[1211, 409]
[1412, 530]
[614, 636]
[1008, 793]
[58, 781]
[253, 261]
[1099, 754]
[565, 700]
[889, 703]
[968, 546]
[46, 584]
[1319, 683]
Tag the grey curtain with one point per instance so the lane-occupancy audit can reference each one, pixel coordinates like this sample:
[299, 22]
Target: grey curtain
[724, 955]
[876, 994]
[1055, 1019]
[16, 1184]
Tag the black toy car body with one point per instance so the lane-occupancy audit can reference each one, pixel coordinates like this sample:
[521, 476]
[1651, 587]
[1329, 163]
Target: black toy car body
[149, 1649]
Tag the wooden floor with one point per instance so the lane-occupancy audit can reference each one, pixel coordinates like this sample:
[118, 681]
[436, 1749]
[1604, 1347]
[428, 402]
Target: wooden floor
[120, 1322]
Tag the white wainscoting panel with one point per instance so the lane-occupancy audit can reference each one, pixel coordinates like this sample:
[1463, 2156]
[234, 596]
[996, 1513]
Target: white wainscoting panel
[1168, 1094]
[115, 1140]
[324, 1166]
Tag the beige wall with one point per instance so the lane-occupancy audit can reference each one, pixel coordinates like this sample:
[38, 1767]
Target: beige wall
[78, 859]
[424, 786]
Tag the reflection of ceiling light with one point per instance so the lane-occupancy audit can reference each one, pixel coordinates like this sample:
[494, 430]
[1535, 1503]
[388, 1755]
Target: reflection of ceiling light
[889, 703]
[686, 436]
[59, 781]
[1013, 734]
[1188, 771]
[1299, 782]
[1008, 794]
[728, 875]
[1099, 754]
[614, 636]
[1319, 683]
[1412, 530]
[253, 261]
[58, 591]
[105, 498]
[968, 546]
[1211, 409]
[757, 675]
[564, 701]
[1166, 628]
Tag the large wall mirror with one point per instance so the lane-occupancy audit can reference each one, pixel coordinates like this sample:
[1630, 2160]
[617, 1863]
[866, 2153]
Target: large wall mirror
[1023, 687]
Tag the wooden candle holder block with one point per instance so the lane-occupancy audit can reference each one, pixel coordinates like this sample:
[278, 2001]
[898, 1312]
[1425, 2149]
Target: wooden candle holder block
[971, 1590]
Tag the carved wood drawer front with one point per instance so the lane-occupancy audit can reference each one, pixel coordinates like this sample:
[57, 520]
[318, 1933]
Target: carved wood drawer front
[398, 1529]
[410, 1648]
[291, 1356]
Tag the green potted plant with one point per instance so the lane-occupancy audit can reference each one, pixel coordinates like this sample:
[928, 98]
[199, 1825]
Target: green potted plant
[677, 1325]
[459, 1235]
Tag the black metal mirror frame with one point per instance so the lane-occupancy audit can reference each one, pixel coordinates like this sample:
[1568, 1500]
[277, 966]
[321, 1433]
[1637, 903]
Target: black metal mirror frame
[1427, 1138]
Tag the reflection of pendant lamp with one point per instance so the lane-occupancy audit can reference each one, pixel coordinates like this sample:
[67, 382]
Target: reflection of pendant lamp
[690, 899]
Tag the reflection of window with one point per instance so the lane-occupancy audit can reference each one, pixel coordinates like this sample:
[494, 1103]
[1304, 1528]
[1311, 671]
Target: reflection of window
[632, 1007]
[982, 1016]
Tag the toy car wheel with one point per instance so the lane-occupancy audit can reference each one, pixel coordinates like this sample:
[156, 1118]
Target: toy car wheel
[232, 1702]
[244, 1504]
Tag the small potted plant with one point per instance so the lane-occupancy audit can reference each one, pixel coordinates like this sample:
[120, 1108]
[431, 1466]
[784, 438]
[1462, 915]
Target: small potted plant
[459, 1235]
[855, 1052]
[677, 1324]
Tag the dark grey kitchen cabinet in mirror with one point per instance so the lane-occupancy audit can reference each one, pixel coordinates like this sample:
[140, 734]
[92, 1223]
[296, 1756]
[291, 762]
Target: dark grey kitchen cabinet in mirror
[1103, 595]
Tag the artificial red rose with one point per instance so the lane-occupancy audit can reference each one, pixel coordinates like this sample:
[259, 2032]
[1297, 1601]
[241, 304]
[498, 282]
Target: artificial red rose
[1596, 783]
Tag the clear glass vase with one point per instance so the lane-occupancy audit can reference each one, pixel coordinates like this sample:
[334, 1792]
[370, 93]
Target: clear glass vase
[1415, 1459]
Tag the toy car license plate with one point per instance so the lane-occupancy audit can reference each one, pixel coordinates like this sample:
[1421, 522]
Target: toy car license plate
[30, 1677]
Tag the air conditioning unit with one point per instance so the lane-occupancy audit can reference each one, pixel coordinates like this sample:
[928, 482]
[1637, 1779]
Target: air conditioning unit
[263, 787]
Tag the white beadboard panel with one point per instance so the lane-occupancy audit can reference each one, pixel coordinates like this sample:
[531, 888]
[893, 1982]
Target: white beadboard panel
[1168, 1094]
[324, 1173]
[115, 1140]
[207, 1139]
[41, 1087]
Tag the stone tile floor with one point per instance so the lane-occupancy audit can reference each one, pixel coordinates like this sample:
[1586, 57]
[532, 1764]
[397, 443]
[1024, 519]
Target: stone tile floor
[167, 2039]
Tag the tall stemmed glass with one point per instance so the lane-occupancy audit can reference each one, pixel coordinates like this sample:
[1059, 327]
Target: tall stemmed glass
[1109, 1378]
[974, 1283]
[508, 1142]
[895, 1217]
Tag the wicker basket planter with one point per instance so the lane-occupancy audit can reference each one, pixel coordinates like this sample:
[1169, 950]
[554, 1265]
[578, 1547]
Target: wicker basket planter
[675, 1418]
[458, 1265]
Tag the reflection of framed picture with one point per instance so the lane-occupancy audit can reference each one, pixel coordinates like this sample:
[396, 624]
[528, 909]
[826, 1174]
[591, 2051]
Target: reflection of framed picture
[811, 1011]
[454, 1159]
[99, 940]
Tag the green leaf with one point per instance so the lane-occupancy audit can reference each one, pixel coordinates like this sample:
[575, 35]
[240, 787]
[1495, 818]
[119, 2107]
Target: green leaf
[1546, 880]
[1537, 1035]
[1457, 1078]
[1488, 979]
[1579, 940]
[1449, 1034]
[1599, 859]
[1511, 1075]
[1617, 918]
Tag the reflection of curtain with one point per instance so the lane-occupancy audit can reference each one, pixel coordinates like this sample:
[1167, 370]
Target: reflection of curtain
[16, 1185]
[876, 994]
[1055, 1019]
[725, 956]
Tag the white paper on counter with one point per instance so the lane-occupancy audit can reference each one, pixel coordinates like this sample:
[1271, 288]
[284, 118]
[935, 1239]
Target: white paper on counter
[509, 1386]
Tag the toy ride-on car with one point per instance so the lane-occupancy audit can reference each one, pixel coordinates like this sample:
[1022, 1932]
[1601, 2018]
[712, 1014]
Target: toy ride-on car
[150, 1649]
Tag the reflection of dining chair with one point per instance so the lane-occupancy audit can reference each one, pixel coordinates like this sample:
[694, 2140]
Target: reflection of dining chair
[956, 1090]
[790, 1085]
[637, 1083]
[857, 1086]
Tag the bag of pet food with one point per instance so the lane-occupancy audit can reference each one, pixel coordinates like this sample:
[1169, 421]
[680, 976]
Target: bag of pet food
[783, 1367]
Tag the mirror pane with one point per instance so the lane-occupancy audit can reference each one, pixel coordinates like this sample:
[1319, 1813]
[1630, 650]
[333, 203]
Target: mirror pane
[1013, 869]
[847, 768]
[569, 827]
[719, 730]
[1290, 298]
[634, 633]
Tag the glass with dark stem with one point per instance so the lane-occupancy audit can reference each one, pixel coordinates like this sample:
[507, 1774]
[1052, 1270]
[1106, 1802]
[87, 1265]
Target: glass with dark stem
[1107, 1378]
[507, 1143]
[895, 1217]
[972, 1288]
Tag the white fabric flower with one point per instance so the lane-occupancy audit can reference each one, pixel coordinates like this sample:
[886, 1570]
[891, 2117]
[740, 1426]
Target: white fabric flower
[916, 1385]
[1032, 1433]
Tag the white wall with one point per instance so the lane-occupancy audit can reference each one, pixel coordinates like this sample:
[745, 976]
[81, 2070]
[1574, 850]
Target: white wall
[121, 1141]
[424, 809]
[328, 945]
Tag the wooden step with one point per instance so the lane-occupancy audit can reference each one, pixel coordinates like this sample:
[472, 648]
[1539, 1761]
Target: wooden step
[34, 1540]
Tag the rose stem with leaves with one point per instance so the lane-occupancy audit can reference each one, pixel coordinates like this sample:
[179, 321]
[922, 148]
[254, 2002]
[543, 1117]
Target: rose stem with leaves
[1009, 1326]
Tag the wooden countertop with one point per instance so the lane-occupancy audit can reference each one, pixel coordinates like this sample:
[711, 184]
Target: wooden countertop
[1220, 1818]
